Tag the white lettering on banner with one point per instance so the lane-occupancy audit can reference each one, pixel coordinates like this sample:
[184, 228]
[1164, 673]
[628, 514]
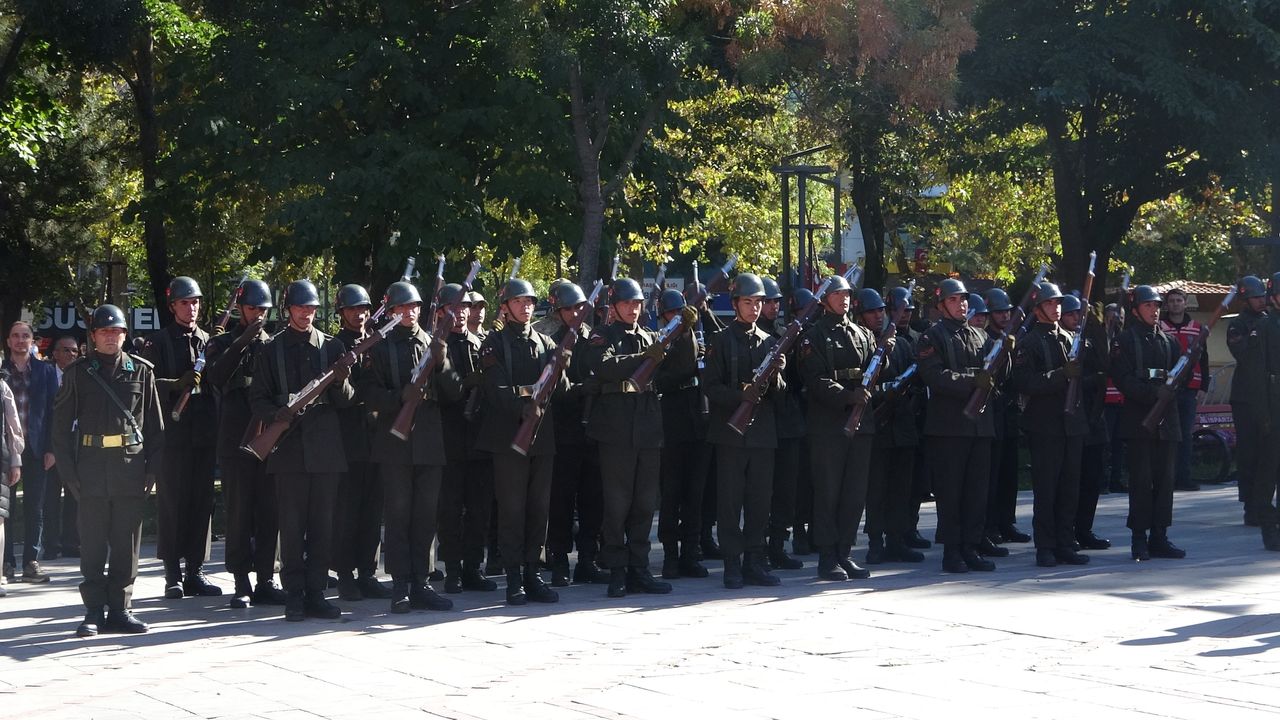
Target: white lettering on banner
[62, 318]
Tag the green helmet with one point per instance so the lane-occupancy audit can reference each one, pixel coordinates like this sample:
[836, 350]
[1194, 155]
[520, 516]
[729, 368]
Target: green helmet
[353, 296]
[516, 288]
[109, 316]
[1071, 303]
[977, 305]
[624, 289]
[899, 298]
[301, 292]
[1251, 286]
[1146, 293]
[802, 299]
[451, 294]
[998, 300]
[747, 285]
[567, 295]
[670, 300]
[949, 288]
[838, 283]
[254, 293]
[1273, 286]
[1046, 292]
[869, 299]
[476, 299]
[401, 293]
[771, 289]
[183, 288]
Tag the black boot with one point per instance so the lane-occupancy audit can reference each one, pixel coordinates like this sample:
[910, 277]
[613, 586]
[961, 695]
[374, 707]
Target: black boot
[535, 589]
[399, 596]
[1012, 534]
[453, 577]
[1271, 536]
[733, 579]
[372, 589]
[473, 579]
[1139, 549]
[778, 556]
[267, 592]
[494, 565]
[196, 584]
[515, 586]
[800, 544]
[560, 569]
[1089, 541]
[295, 606]
[242, 596]
[640, 580]
[975, 561]
[988, 548]
[347, 588]
[851, 568]
[689, 565]
[670, 561]
[617, 582]
[318, 607]
[586, 571]
[1067, 556]
[1045, 558]
[424, 597]
[710, 549]
[828, 568]
[953, 559]
[913, 539]
[172, 580]
[92, 623]
[897, 549]
[754, 571]
[876, 554]
[1162, 548]
[123, 621]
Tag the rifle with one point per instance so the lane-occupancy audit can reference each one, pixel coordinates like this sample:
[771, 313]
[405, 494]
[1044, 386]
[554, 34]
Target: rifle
[1072, 402]
[406, 277]
[666, 336]
[435, 296]
[231, 305]
[700, 339]
[658, 282]
[720, 282]
[771, 366]
[875, 367]
[897, 387]
[1155, 416]
[183, 399]
[403, 424]
[551, 372]
[999, 355]
[264, 443]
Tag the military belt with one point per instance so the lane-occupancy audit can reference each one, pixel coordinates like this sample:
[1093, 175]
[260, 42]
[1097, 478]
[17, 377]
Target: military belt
[1157, 374]
[848, 374]
[520, 390]
[107, 441]
[626, 386]
[239, 382]
[690, 383]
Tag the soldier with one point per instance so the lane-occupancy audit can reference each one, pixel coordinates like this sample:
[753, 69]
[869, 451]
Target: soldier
[310, 458]
[1041, 371]
[802, 523]
[1002, 493]
[979, 316]
[1092, 386]
[833, 355]
[475, 318]
[512, 360]
[686, 460]
[357, 521]
[1141, 360]
[788, 409]
[744, 463]
[626, 421]
[466, 498]
[411, 469]
[893, 451]
[1264, 484]
[252, 525]
[1248, 337]
[575, 479]
[185, 493]
[107, 436]
[950, 357]
[695, 295]
[908, 420]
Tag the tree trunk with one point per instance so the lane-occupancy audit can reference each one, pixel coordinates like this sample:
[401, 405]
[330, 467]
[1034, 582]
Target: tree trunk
[1275, 220]
[153, 232]
[9, 64]
[866, 200]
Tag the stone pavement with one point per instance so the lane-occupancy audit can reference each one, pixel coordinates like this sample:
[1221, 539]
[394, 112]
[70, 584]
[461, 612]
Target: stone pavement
[1197, 638]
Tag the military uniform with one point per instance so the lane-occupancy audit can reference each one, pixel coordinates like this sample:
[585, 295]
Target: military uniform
[708, 323]
[685, 465]
[1093, 386]
[790, 461]
[893, 460]
[1254, 341]
[1002, 492]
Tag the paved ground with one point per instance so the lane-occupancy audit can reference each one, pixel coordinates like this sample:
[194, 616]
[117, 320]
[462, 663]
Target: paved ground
[1197, 638]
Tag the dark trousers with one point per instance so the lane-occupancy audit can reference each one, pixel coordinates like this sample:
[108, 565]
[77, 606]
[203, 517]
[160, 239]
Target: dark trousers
[804, 488]
[889, 483]
[629, 478]
[305, 501]
[1115, 444]
[357, 520]
[184, 499]
[33, 490]
[252, 516]
[1253, 440]
[961, 473]
[1092, 469]
[466, 504]
[1055, 483]
[786, 473]
[61, 532]
[709, 504]
[523, 488]
[575, 486]
[1002, 493]
[684, 471]
[110, 530]
[411, 494]
[921, 485]
[1187, 421]
[1150, 484]
[840, 468]
[744, 477]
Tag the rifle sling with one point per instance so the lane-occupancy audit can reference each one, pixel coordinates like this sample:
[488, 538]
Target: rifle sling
[92, 369]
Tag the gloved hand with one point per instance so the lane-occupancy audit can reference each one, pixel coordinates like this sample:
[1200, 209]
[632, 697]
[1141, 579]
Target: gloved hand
[248, 335]
[283, 415]
[341, 372]
[656, 351]
[408, 392]
[1072, 370]
[190, 379]
[689, 315]
[983, 381]
[531, 410]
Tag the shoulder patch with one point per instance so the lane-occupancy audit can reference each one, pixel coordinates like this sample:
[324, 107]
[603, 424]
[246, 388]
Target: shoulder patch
[488, 358]
[141, 361]
[597, 340]
[926, 350]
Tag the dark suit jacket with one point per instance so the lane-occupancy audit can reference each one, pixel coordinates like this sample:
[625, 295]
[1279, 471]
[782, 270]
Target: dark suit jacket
[40, 393]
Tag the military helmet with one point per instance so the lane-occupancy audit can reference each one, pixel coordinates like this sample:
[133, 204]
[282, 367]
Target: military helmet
[1146, 293]
[949, 288]
[476, 299]
[301, 292]
[451, 294]
[1251, 286]
[1071, 303]
[554, 288]
[183, 288]
[254, 293]
[771, 289]
[108, 316]
[868, 300]
[747, 285]
[802, 299]
[998, 300]
[352, 296]
[401, 293]
[567, 295]
[516, 288]
[670, 300]
[900, 297]
[1273, 286]
[838, 283]
[624, 289]
[977, 305]
[1046, 292]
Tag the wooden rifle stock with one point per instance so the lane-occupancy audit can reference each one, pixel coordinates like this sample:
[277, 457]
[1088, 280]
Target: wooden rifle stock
[1185, 365]
[643, 374]
[1072, 402]
[225, 320]
[180, 406]
[874, 368]
[996, 360]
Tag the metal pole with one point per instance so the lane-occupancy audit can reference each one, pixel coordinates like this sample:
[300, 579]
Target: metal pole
[836, 236]
[788, 287]
[802, 224]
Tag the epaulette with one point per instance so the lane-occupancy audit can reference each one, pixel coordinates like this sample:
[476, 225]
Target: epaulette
[139, 360]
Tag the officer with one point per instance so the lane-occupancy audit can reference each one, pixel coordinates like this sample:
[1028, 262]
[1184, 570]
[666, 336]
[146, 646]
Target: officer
[185, 492]
[575, 480]
[357, 522]
[788, 408]
[1002, 493]
[1141, 359]
[310, 458]
[950, 358]
[833, 356]
[744, 463]
[250, 494]
[686, 460]
[512, 361]
[466, 498]
[1092, 386]
[802, 524]
[1248, 339]
[1041, 372]
[626, 421]
[411, 469]
[107, 436]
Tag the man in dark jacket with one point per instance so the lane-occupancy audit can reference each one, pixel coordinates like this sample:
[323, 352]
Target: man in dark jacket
[34, 384]
[1253, 338]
